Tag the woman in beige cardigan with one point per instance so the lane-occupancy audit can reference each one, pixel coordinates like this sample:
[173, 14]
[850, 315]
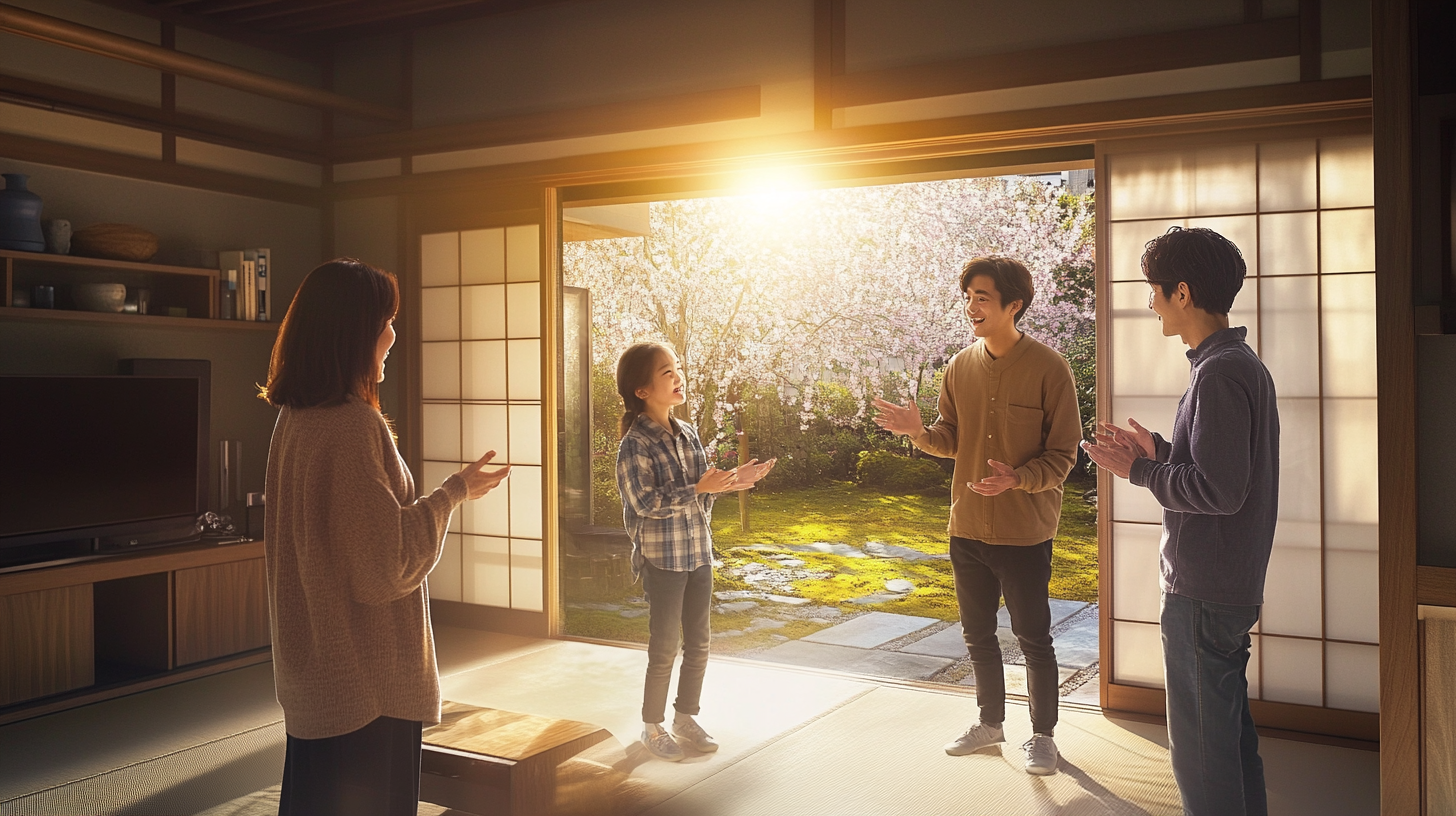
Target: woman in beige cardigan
[349, 542]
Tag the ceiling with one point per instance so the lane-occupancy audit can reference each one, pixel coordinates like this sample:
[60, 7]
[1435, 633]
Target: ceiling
[329, 20]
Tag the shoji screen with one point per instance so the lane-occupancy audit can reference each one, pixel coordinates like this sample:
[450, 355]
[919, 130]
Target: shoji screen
[1301, 212]
[481, 380]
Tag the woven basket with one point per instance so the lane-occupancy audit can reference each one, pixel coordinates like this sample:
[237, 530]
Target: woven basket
[119, 242]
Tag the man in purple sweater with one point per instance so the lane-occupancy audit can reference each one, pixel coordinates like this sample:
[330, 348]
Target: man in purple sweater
[1218, 483]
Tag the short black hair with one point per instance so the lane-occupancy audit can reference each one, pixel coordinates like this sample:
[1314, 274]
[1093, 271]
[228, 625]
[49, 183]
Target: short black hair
[1012, 279]
[1211, 265]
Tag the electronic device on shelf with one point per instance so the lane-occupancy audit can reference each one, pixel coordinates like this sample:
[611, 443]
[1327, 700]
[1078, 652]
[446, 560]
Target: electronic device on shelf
[93, 465]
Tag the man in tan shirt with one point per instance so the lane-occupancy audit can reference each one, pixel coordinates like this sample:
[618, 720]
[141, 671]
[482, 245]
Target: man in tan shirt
[1008, 415]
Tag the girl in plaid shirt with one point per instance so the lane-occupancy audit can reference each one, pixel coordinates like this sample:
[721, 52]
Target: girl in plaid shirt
[667, 504]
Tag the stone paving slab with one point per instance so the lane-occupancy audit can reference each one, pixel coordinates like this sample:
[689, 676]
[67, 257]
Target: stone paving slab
[1061, 610]
[871, 630]
[1077, 647]
[949, 642]
[858, 661]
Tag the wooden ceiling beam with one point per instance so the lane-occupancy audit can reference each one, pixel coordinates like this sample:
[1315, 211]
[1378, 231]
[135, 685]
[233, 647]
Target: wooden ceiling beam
[93, 40]
[384, 13]
[168, 11]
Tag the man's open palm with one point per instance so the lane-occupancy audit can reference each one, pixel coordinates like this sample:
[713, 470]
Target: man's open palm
[900, 419]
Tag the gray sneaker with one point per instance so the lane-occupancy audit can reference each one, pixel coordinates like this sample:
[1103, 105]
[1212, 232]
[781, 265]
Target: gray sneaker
[687, 729]
[661, 745]
[1041, 755]
[978, 736]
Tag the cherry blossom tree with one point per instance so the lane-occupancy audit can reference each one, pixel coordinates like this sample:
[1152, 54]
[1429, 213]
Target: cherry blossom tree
[855, 286]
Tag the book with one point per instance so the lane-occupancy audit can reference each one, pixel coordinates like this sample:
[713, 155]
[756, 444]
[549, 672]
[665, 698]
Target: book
[230, 266]
[265, 299]
[250, 287]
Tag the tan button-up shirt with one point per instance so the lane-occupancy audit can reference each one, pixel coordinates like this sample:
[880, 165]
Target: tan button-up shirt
[1020, 409]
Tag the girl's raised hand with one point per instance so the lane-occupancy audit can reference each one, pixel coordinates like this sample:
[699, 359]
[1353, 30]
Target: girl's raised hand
[479, 482]
[717, 481]
[751, 471]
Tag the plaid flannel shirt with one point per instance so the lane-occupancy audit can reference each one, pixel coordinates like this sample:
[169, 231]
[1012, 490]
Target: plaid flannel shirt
[667, 519]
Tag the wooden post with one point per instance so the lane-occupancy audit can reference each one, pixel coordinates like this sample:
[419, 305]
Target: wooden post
[742, 434]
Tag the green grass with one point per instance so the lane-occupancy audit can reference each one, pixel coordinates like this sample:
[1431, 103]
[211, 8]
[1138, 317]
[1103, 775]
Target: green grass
[854, 515]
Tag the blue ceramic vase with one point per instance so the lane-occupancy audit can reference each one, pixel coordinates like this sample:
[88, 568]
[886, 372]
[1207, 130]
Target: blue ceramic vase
[20, 216]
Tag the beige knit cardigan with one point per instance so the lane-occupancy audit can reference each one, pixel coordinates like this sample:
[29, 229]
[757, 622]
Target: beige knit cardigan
[348, 547]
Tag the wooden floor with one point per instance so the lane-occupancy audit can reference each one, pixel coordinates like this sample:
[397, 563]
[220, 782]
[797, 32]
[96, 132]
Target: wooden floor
[794, 741]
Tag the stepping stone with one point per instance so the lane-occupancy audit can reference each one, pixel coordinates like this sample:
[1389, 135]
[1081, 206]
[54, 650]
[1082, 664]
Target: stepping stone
[597, 607]
[877, 597]
[765, 623]
[736, 594]
[840, 549]
[788, 562]
[899, 585]
[1088, 693]
[1016, 678]
[871, 630]
[780, 638]
[881, 550]
[633, 613]
[949, 642]
[859, 661]
[738, 606]
[785, 599]
[1061, 610]
[731, 633]
[1077, 647]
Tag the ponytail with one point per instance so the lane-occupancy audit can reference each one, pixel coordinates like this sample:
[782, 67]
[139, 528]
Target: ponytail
[634, 370]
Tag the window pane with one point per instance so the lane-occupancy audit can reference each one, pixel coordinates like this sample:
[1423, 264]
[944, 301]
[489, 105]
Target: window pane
[1299, 478]
[444, 580]
[1243, 230]
[486, 570]
[1135, 590]
[523, 253]
[1292, 592]
[1289, 244]
[440, 259]
[1287, 176]
[1251, 673]
[1347, 241]
[526, 586]
[1350, 455]
[1347, 172]
[1352, 595]
[523, 310]
[483, 256]
[1293, 670]
[484, 370]
[484, 316]
[1137, 654]
[442, 432]
[1353, 679]
[489, 514]
[484, 429]
[1144, 362]
[1225, 180]
[1245, 313]
[1128, 239]
[525, 484]
[526, 434]
[525, 376]
[440, 313]
[1348, 303]
[440, 370]
[1149, 185]
[1290, 343]
[1130, 502]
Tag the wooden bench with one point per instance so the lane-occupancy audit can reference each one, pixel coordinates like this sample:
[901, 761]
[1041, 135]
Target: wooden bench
[486, 761]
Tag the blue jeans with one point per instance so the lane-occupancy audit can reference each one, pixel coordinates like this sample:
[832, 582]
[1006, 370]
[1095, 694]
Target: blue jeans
[1211, 736]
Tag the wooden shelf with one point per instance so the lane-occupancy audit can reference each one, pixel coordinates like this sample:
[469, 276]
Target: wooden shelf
[147, 321]
[82, 262]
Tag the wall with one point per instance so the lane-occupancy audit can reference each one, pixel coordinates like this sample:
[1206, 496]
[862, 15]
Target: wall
[190, 223]
[1436, 453]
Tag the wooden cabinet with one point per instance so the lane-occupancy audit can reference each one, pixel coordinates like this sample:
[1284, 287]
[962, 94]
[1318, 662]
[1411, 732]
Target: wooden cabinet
[77, 633]
[221, 609]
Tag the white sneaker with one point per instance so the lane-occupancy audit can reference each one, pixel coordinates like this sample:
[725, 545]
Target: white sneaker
[1041, 755]
[685, 728]
[660, 744]
[978, 736]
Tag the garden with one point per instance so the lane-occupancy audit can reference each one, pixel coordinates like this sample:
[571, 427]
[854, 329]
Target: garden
[790, 312]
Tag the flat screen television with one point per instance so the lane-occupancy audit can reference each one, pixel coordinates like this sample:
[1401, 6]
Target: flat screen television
[99, 464]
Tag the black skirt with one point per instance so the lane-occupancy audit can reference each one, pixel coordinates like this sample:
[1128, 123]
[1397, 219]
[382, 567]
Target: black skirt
[374, 771]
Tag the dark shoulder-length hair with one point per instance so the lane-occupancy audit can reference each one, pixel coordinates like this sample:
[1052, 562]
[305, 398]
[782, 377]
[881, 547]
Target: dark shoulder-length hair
[326, 345]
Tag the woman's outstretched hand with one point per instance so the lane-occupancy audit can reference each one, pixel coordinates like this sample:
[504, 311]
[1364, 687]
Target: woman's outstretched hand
[751, 471]
[478, 481]
[717, 481]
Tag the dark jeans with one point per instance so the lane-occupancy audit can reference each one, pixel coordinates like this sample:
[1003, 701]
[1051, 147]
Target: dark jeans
[374, 771]
[678, 606]
[1211, 736]
[983, 574]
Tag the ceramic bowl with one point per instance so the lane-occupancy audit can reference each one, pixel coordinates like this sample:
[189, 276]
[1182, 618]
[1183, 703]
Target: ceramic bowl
[121, 242]
[99, 297]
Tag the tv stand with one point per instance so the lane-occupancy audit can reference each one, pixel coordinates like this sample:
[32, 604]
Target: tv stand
[78, 633]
